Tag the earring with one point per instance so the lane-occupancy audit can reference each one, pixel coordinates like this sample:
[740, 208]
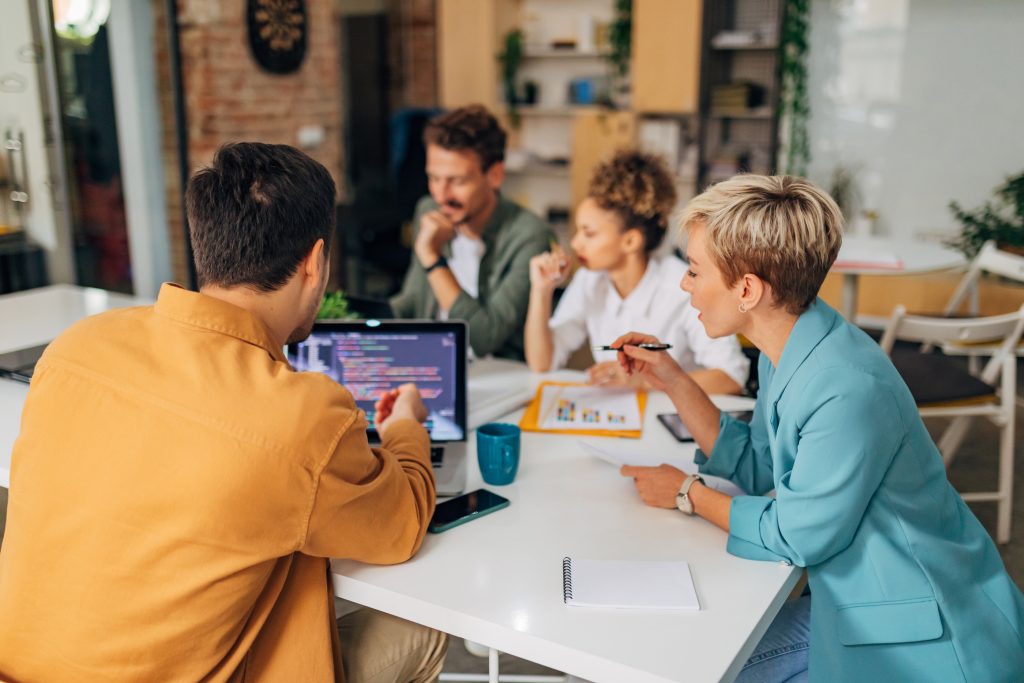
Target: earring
[743, 308]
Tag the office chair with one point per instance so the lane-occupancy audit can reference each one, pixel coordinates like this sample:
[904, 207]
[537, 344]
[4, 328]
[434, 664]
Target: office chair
[942, 388]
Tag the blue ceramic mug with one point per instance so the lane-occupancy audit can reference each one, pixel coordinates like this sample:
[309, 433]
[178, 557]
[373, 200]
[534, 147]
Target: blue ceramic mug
[497, 451]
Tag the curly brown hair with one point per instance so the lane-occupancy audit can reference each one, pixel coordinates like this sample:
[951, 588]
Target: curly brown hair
[471, 128]
[639, 189]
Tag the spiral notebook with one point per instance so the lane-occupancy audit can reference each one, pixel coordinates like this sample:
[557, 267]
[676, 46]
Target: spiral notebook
[628, 584]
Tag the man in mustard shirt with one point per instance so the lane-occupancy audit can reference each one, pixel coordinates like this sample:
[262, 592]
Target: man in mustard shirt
[176, 488]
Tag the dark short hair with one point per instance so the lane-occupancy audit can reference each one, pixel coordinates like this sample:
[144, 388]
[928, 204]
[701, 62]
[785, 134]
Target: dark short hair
[255, 212]
[471, 128]
[639, 189]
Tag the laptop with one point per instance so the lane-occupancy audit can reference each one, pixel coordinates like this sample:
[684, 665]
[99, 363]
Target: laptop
[20, 364]
[369, 357]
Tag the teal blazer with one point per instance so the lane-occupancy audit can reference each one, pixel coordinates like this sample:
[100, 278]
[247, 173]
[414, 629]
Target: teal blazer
[906, 584]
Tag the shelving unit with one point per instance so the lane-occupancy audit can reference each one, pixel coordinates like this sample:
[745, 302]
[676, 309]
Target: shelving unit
[740, 59]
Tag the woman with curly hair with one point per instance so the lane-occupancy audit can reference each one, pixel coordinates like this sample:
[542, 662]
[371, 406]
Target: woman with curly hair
[621, 285]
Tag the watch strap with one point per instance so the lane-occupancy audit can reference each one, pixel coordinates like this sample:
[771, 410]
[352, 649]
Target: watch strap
[683, 501]
[441, 262]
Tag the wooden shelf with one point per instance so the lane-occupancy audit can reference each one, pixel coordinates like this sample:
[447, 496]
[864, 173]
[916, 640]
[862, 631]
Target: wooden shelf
[750, 115]
[540, 169]
[552, 53]
[754, 46]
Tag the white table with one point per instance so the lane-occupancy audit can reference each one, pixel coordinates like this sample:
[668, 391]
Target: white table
[497, 580]
[34, 317]
[917, 257]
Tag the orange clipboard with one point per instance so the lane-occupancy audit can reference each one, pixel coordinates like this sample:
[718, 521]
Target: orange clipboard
[528, 423]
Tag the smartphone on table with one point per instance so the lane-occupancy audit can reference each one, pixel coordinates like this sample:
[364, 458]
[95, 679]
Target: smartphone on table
[461, 509]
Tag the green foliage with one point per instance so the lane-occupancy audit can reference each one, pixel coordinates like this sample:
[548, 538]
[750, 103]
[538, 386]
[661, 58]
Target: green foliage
[510, 60]
[335, 307]
[620, 37]
[1001, 219]
[795, 108]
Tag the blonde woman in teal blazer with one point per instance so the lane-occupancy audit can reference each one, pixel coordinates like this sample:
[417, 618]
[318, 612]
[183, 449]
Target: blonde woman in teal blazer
[905, 583]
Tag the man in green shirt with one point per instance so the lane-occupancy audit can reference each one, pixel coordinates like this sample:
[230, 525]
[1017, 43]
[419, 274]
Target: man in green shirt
[473, 246]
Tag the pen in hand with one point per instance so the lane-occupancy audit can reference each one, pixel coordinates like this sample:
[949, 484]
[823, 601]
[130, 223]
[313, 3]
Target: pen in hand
[646, 347]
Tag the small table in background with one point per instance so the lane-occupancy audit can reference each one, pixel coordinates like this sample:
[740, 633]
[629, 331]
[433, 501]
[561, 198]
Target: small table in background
[888, 256]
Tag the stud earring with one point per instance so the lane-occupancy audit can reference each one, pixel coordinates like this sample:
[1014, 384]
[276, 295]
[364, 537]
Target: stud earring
[743, 308]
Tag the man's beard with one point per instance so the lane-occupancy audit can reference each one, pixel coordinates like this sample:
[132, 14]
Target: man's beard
[302, 332]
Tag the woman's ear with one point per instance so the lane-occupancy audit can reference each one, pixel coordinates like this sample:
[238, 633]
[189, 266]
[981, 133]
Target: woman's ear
[633, 240]
[752, 291]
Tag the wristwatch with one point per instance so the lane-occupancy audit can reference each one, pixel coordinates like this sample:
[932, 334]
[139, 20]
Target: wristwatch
[441, 262]
[683, 501]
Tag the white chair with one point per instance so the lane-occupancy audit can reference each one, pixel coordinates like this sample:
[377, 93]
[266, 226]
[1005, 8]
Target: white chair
[944, 389]
[965, 299]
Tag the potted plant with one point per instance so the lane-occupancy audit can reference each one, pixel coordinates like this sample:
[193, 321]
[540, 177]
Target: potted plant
[335, 307]
[510, 59]
[1000, 219]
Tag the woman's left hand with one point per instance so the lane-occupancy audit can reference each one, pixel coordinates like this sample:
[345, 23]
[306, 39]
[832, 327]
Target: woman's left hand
[657, 486]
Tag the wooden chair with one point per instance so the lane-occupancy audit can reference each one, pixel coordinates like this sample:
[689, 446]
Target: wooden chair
[942, 388]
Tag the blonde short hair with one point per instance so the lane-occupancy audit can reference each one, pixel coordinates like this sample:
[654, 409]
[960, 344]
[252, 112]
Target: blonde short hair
[781, 228]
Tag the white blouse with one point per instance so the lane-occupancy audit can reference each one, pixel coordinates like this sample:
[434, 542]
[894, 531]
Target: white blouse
[591, 308]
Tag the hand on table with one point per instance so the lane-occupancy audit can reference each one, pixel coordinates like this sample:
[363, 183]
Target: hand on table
[657, 486]
[610, 374]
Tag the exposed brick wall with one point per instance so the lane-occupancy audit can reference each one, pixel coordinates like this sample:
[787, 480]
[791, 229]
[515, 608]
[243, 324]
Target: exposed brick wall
[228, 97]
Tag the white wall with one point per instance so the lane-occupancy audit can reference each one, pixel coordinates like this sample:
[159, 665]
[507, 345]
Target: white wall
[925, 98]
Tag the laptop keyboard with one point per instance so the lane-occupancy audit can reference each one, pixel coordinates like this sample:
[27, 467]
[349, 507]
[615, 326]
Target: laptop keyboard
[436, 455]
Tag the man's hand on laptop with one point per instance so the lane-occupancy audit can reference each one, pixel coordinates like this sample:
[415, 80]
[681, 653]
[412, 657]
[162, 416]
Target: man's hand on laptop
[403, 403]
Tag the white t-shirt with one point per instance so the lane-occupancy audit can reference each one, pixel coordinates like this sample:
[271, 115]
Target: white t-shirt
[591, 308]
[467, 252]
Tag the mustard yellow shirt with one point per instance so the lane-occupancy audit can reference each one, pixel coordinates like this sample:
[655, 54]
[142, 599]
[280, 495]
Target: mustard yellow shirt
[176, 490]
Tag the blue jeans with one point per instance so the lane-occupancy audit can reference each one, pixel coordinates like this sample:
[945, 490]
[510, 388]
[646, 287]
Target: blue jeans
[781, 656]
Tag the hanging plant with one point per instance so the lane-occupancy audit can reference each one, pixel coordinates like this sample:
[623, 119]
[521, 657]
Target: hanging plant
[794, 106]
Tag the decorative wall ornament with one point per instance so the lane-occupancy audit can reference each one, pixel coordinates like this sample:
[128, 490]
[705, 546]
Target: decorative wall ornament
[277, 33]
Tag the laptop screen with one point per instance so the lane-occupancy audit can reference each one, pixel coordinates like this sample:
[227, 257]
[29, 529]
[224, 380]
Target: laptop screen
[371, 357]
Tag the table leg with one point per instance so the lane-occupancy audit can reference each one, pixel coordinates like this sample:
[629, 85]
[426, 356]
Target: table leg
[492, 665]
[850, 283]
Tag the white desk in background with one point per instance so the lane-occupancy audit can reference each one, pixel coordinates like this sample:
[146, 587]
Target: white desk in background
[34, 317]
[498, 580]
[877, 256]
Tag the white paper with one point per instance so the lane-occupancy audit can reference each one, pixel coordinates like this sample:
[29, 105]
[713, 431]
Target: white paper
[649, 459]
[585, 408]
[630, 584]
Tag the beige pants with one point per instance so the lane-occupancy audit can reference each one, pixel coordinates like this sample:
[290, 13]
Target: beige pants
[379, 648]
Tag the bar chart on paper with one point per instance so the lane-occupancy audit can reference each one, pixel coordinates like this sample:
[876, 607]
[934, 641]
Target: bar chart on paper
[587, 408]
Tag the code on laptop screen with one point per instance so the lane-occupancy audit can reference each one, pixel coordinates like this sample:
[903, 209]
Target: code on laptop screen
[369, 363]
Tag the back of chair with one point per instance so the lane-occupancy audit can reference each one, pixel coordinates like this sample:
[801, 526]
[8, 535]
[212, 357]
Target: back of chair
[1006, 329]
[989, 260]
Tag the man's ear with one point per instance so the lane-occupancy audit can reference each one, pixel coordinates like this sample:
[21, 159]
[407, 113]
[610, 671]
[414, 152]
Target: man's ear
[496, 175]
[315, 263]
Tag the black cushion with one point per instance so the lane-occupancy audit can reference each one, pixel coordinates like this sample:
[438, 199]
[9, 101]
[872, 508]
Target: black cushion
[936, 378]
